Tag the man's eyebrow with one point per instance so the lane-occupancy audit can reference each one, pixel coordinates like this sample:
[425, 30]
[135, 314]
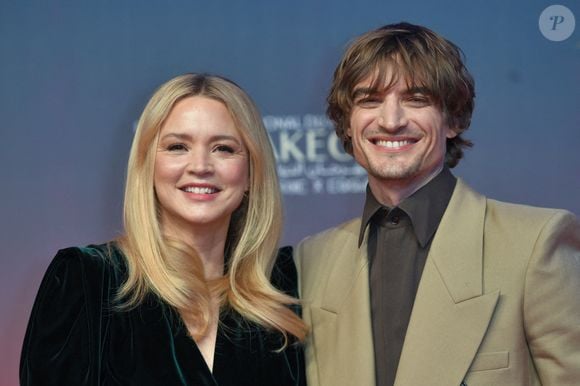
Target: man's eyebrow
[418, 90]
[362, 91]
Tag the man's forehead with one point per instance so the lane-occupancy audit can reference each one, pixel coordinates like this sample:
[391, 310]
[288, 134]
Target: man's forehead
[384, 74]
[381, 83]
[387, 74]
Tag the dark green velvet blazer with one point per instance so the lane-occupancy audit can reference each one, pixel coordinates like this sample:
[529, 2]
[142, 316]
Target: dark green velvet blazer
[76, 337]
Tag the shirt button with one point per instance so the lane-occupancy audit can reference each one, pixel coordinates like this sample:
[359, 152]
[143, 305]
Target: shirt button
[395, 220]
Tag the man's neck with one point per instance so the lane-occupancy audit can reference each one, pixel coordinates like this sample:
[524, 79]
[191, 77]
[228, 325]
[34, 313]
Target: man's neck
[392, 192]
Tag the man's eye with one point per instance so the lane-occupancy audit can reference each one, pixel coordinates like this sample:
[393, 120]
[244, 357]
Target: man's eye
[419, 99]
[369, 101]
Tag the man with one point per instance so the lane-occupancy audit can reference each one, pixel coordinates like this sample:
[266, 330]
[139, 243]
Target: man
[435, 284]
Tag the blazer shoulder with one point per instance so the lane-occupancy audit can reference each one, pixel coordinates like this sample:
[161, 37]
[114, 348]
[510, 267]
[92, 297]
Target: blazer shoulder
[320, 250]
[528, 217]
[345, 232]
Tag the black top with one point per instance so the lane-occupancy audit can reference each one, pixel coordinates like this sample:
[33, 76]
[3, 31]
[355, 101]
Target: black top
[399, 241]
[75, 337]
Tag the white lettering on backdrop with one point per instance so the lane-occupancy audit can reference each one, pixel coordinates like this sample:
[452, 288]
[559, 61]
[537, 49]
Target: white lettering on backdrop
[311, 159]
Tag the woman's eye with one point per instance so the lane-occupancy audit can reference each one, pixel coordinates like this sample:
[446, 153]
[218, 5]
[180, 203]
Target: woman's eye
[177, 147]
[224, 148]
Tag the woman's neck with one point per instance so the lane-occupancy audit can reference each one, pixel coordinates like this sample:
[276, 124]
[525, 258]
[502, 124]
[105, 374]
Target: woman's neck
[208, 242]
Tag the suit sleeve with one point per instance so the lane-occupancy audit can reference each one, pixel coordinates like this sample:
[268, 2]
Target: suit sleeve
[57, 345]
[552, 301]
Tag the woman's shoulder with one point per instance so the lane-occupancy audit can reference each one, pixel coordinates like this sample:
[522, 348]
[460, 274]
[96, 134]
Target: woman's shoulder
[86, 268]
[284, 276]
[100, 254]
[76, 291]
[89, 260]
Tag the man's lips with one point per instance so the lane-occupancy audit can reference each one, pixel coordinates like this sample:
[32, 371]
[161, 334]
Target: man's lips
[394, 144]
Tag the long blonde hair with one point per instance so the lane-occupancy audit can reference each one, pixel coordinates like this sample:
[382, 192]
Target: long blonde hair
[173, 271]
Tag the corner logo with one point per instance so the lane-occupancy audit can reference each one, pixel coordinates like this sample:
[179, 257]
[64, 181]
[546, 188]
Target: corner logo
[557, 23]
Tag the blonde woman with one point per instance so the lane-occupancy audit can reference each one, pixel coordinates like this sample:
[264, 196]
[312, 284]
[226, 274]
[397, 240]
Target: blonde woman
[195, 292]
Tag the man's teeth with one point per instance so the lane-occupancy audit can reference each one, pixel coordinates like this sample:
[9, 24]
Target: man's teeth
[198, 190]
[393, 144]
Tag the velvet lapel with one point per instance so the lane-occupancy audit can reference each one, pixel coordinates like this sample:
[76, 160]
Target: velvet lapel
[451, 313]
[342, 328]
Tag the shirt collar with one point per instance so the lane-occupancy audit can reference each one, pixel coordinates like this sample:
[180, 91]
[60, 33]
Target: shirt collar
[425, 207]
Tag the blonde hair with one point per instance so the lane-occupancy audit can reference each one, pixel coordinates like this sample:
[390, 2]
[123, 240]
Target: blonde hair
[173, 271]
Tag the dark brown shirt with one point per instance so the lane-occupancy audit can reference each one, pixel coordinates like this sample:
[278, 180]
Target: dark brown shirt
[399, 241]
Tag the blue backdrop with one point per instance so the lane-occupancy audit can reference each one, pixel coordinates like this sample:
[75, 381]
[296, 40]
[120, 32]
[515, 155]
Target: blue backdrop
[75, 76]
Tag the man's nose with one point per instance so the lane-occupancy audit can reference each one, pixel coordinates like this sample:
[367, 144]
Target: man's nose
[392, 115]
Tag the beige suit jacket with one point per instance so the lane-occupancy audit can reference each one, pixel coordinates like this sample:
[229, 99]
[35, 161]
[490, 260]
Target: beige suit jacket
[498, 302]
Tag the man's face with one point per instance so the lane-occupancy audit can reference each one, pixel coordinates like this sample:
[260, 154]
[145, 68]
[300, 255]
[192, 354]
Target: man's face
[398, 134]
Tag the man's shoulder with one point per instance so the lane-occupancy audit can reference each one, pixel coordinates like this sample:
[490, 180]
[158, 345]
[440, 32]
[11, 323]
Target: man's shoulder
[347, 232]
[522, 210]
[528, 216]
[318, 255]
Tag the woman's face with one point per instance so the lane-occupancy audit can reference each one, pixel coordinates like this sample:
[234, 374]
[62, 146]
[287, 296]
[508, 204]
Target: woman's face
[201, 167]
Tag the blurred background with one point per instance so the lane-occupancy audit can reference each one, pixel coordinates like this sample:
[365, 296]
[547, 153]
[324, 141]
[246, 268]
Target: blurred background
[75, 76]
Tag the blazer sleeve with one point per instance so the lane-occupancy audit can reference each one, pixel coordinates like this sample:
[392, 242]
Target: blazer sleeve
[552, 301]
[59, 346]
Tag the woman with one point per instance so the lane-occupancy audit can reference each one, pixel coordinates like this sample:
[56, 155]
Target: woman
[184, 297]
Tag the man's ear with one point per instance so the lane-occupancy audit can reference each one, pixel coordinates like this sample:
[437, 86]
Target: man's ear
[452, 132]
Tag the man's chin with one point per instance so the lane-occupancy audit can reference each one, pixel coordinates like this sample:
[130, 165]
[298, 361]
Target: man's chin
[395, 173]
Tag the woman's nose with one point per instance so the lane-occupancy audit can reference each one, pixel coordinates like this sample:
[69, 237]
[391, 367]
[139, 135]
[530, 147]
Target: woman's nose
[200, 163]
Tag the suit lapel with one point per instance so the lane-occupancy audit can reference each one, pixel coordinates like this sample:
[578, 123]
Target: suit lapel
[342, 328]
[451, 313]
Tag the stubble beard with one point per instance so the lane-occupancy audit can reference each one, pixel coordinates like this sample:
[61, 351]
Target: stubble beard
[393, 170]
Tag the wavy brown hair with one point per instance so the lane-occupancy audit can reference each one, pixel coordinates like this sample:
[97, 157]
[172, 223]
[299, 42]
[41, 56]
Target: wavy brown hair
[422, 58]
